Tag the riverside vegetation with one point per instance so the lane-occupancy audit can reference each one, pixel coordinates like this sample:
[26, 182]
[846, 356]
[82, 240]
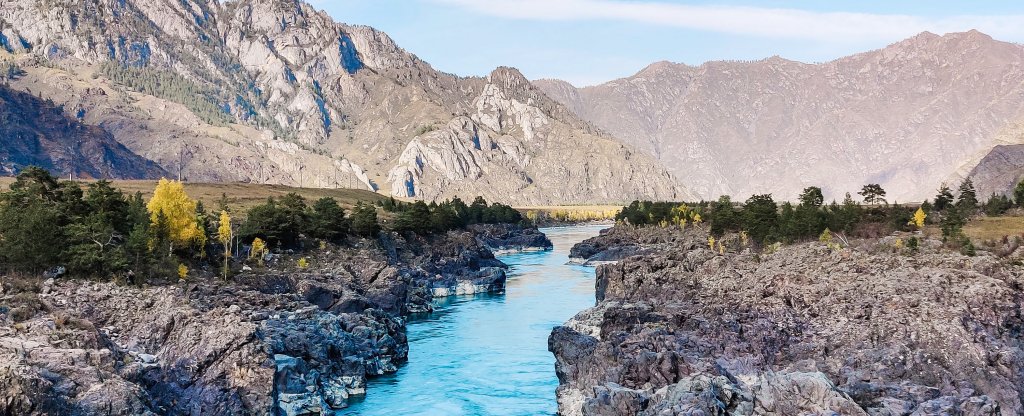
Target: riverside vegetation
[100, 232]
[767, 222]
[114, 304]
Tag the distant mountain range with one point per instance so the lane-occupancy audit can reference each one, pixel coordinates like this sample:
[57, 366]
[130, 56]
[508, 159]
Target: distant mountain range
[275, 91]
[910, 116]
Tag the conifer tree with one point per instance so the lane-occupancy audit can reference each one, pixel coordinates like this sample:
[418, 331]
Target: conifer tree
[364, 220]
[968, 199]
[873, 194]
[944, 198]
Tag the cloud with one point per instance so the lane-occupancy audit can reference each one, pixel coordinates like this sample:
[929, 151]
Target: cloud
[745, 20]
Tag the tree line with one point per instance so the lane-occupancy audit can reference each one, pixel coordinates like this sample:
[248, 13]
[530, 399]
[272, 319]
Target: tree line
[170, 86]
[766, 221]
[423, 218]
[49, 225]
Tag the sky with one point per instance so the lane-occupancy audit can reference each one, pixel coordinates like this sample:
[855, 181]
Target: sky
[588, 42]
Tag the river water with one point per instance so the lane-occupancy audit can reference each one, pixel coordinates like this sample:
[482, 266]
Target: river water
[488, 354]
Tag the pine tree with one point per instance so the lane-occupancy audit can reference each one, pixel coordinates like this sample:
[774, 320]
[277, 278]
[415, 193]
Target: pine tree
[760, 218]
[722, 216]
[364, 220]
[873, 194]
[812, 197]
[944, 199]
[968, 199]
[327, 220]
[415, 218]
[33, 218]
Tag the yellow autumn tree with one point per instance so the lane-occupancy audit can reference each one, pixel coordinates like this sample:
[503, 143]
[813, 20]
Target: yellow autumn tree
[179, 209]
[919, 217]
[224, 235]
[259, 249]
[182, 271]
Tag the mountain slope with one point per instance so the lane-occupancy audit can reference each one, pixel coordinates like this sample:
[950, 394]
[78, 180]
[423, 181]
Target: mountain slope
[276, 91]
[34, 132]
[909, 116]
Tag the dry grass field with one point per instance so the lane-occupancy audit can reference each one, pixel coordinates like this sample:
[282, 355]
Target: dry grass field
[241, 196]
[572, 213]
[994, 228]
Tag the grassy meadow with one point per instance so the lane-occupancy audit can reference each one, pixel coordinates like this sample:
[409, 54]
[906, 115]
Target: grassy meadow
[241, 196]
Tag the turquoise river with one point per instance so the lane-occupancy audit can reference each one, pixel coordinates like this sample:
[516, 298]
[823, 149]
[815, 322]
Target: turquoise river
[488, 354]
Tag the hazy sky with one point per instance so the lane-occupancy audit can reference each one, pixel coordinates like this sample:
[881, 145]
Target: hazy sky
[592, 41]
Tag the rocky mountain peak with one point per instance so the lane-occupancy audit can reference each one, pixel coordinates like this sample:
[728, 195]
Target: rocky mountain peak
[508, 78]
[928, 45]
[277, 91]
[659, 67]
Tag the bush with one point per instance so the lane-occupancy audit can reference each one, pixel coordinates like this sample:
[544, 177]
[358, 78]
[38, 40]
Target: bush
[997, 205]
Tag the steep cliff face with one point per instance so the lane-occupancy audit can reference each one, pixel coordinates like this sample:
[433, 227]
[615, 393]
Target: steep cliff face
[909, 116]
[35, 132]
[276, 91]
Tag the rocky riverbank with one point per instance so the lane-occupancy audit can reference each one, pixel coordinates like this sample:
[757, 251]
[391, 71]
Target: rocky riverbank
[871, 329]
[622, 241]
[274, 340]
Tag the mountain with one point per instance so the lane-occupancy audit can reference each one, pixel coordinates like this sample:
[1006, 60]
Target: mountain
[275, 91]
[36, 132]
[910, 116]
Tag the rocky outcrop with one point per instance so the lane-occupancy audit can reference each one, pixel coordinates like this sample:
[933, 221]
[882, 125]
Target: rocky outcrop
[777, 126]
[278, 92]
[510, 238]
[275, 340]
[869, 329]
[621, 242]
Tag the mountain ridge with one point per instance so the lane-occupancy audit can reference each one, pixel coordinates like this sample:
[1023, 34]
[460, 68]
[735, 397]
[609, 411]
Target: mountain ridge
[745, 127]
[276, 91]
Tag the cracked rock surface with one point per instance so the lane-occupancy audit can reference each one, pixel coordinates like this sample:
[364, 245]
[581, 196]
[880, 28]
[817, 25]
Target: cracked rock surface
[867, 329]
